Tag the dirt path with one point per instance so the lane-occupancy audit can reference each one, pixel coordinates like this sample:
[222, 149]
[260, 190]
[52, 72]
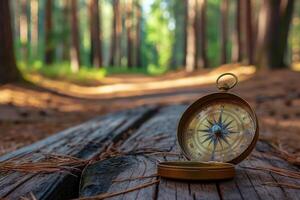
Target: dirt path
[29, 113]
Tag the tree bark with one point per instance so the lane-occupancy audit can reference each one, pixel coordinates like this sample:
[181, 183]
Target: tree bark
[96, 35]
[8, 67]
[34, 7]
[15, 15]
[191, 37]
[224, 30]
[24, 29]
[66, 29]
[236, 42]
[49, 46]
[201, 58]
[115, 49]
[248, 31]
[138, 34]
[75, 48]
[275, 17]
[185, 31]
[129, 32]
[179, 47]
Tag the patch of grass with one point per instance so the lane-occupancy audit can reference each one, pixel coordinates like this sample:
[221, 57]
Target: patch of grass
[86, 74]
[62, 71]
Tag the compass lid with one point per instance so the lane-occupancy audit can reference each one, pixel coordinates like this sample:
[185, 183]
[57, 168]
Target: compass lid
[190, 170]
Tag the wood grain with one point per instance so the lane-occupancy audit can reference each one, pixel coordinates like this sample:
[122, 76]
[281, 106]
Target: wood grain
[83, 141]
[139, 132]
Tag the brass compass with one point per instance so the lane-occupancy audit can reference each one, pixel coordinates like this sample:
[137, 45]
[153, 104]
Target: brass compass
[220, 129]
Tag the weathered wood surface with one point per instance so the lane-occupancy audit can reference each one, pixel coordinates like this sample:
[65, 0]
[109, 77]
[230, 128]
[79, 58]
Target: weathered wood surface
[141, 129]
[100, 177]
[83, 141]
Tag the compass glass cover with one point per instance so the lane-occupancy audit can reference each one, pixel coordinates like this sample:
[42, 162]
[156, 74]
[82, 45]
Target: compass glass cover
[218, 131]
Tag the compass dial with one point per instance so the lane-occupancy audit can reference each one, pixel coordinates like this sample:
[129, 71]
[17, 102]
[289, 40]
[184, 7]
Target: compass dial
[222, 129]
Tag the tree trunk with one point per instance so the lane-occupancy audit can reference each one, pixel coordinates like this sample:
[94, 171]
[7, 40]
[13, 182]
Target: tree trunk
[34, 7]
[138, 34]
[191, 38]
[201, 57]
[8, 68]
[66, 30]
[96, 36]
[115, 49]
[224, 30]
[275, 17]
[248, 31]
[185, 31]
[15, 15]
[129, 26]
[178, 49]
[236, 42]
[24, 30]
[75, 49]
[49, 46]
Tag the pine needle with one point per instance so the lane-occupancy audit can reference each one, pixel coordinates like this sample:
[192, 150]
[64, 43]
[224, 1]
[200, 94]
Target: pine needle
[51, 163]
[279, 171]
[287, 185]
[292, 158]
[113, 194]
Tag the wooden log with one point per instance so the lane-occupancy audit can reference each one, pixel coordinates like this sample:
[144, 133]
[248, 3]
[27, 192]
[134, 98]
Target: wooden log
[159, 134]
[84, 141]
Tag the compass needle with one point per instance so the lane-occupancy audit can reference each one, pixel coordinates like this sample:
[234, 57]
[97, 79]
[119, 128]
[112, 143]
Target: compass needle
[220, 117]
[225, 140]
[207, 139]
[220, 142]
[204, 130]
[214, 149]
[226, 125]
[233, 132]
[211, 123]
[207, 134]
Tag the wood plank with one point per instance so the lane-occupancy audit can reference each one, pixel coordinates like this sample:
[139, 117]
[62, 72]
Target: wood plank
[83, 141]
[247, 184]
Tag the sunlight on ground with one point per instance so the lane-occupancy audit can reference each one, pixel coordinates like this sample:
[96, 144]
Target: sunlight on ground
[127, 89]
[296, 66]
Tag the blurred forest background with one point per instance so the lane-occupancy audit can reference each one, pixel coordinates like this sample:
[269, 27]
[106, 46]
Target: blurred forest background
[92, 37]
[62, 62]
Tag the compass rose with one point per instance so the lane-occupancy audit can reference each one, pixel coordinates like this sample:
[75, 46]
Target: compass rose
[218, 132]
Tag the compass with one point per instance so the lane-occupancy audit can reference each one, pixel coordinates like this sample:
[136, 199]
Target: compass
[219, 128]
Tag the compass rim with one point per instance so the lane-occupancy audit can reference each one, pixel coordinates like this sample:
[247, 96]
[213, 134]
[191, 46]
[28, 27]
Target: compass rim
[204, 101]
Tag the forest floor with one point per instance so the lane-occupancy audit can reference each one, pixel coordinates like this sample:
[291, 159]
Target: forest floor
[31, 112]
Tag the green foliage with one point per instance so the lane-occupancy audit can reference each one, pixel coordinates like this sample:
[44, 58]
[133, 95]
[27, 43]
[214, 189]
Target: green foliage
[213, 32]
[63, 71]
[86, 74]
[162, 38]
[159, 37]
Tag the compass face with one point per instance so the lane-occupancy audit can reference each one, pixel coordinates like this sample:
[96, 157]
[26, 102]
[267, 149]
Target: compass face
[219, 127]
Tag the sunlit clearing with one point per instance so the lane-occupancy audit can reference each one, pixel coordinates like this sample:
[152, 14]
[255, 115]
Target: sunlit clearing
[127, 89]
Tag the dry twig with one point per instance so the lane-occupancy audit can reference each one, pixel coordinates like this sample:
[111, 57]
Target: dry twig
[113, 194]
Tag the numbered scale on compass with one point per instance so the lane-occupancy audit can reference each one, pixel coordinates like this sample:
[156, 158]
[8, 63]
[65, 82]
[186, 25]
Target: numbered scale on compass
[218, 127]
